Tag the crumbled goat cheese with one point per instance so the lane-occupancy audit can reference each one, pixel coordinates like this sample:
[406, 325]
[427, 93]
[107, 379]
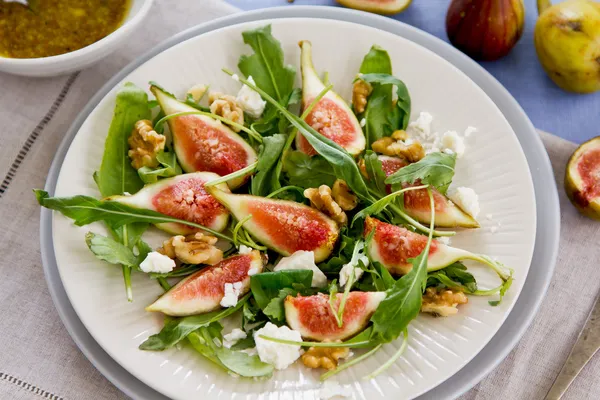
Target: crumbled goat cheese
[494, 229]
[250, 101]
[363, 122]
[357, 256]
[302, 259]
[451, 141]
[244, 249]
[331, 388]
[448, 142]
[279, 355]
[252, 271]
[466, 199]
[232, 293]
[157, 262]
[469, 131]
[236, 78]
[444, 240]
[232, 337]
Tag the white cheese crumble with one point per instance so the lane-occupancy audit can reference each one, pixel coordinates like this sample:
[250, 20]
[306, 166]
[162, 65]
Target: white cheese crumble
[232, 293]
[363, 122]
[444, 240]
[303, 259]
[451, 141]
[232, 337]
[250, 101]
[279, 355]
[157, 262]
[469, 131]
[466, 199]
[331, 388]
[494, 229]
[244, 249]
[252, 271]
[357, 256]
[235, 77]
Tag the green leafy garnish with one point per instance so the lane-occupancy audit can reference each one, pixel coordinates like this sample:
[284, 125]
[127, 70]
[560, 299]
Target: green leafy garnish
[380, 205]
[305, 171]
[267, 285]
[435, 169]
[266, 179]
[113, 252]
[169, 168]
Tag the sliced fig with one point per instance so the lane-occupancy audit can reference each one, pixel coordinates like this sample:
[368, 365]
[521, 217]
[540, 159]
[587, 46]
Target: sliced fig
[203, 291]
[283, 226]
[331, 116]
[386, 7]
[417, 205]
[183, 197]
[393, 245]
[203, 143]
[313, 317]
[582, 178]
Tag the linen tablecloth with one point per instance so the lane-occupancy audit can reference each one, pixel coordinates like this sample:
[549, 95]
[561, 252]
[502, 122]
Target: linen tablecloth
[37, 356]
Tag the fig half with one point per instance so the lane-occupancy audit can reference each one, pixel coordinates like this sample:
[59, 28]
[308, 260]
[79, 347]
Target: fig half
[313, 317]
[182, 197]
[203, 291]
[331, 116]
[393, 245]
[203, 143]
[386, 7]
[582, 178]
[281, 225]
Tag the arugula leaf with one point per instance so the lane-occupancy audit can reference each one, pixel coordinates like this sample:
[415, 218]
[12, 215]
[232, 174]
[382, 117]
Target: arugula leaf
[266, 179]
[343, 255]
[110, 250]
[267, 285]
[275, 310]
[116, 175]
[169, 168]
[375, 172]
[454, 276]
[177, 329]
[503, 288]
[306, 171]
[377, 61]
[435, 169]
[399, 115]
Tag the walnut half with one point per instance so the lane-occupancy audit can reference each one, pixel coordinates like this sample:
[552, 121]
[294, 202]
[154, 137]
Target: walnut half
[145, 144]
[197, 248]
[399, 145]
[360, 92]
[322, 200]
[343, 195]
[442, 303]
[324, 357]
[225, 106]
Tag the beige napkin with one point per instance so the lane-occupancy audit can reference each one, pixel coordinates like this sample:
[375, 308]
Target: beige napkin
[37, 356]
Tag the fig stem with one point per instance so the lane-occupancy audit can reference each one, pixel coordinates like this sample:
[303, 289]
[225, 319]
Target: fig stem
[350, 363]
[543, 5]
[393, 359]
[255, 135]
[239, 173]
[316, 344]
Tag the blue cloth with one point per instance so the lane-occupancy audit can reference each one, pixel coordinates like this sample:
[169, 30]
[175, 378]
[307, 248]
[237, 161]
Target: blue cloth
[574, 117]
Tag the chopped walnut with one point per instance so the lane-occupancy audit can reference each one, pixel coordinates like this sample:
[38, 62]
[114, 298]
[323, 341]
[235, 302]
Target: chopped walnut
[360, 92]
[324, 357]
[225, 106]
[197, 91]
[397, 146]
[322, 200]
[145, 144]
[197, 248]
[442, 303]
[343, 196]
[363, 168]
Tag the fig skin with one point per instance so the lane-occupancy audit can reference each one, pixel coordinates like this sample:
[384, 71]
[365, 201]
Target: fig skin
[388, 7]
[567, 41]
[573, 182]
[485, 30]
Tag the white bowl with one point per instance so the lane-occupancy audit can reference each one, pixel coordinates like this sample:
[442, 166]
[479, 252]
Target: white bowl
[78, 59]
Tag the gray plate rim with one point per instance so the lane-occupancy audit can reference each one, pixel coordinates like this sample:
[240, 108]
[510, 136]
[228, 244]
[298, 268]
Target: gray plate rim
[548, 211]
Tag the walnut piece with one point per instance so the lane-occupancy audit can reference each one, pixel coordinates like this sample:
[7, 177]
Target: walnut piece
[362, 166]
[400, 146]
[197, 248]
[197, 91]
[322, 200]
[324, 357]
[442, 303]
[225, 106]
[360, 92]
[144, 145]
[343, 195]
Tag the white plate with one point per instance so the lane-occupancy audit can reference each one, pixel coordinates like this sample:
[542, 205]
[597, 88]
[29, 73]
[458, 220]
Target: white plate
[494, 166]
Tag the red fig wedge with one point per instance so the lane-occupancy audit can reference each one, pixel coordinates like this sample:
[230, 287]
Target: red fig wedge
[283, 226]
[183, 197]
[386, 7]
[393, 245]
[331, 116]
[203, 291]
[203, 143]
[582, 178]
[417, 205]
[313, 317]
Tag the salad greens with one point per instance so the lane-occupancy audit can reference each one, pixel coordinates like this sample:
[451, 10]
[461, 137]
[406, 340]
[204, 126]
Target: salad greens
[281, 171]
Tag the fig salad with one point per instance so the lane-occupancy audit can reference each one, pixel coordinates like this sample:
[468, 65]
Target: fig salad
[308, 222]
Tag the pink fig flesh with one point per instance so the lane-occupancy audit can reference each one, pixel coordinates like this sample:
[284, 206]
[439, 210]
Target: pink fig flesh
[203, 291]
[313, 317]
